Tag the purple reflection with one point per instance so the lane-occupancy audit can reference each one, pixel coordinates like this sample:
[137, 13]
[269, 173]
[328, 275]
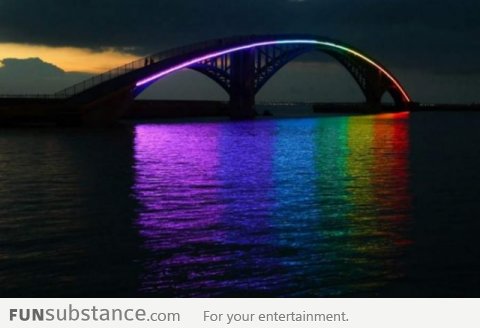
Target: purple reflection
[177, 186]
[207, 198]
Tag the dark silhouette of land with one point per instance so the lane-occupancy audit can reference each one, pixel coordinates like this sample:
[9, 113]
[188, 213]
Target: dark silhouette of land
[28, 111]
[390, 108]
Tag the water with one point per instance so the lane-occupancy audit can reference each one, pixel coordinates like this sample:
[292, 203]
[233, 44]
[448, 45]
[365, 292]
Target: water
[385, 205]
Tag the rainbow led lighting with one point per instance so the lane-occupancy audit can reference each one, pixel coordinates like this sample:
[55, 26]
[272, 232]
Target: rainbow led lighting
[267, 43]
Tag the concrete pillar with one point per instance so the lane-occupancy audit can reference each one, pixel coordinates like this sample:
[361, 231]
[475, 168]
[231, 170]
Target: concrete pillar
[375, 88]
[242, 94]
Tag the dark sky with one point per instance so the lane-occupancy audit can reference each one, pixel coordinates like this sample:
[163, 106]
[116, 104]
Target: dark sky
[432, 46]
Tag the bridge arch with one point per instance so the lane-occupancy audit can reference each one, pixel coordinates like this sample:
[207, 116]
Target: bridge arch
[241, 66]
[187, 84]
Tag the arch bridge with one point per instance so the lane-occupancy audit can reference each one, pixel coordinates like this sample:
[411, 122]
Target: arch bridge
[241, 65]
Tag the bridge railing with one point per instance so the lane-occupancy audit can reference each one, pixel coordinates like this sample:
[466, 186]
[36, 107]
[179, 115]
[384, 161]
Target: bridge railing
[30, 96]
[132, 66]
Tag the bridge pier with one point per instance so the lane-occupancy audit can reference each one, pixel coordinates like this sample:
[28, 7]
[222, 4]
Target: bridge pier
[374, 88]
[242, 88]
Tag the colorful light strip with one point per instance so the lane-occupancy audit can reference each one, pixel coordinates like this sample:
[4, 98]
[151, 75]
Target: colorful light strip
[268, 43]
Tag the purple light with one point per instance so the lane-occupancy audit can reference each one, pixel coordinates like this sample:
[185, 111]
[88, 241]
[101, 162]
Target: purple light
[267, 43]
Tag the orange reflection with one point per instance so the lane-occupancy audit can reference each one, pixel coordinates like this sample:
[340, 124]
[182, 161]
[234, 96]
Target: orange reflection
[378, 188]
[391, 151]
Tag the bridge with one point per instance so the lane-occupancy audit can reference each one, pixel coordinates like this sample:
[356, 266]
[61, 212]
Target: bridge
[241, 65]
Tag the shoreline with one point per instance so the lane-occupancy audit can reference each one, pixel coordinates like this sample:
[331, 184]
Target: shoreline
[55, 112]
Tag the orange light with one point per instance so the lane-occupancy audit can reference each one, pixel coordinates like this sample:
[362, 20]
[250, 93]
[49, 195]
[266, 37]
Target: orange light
[394, 116]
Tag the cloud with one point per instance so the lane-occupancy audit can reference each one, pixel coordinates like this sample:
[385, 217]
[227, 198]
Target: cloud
[34, 76]
[68, 58]
[424, 42]
[412, 34]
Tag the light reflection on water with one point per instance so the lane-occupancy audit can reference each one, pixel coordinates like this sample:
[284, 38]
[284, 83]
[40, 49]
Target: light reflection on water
[384, 205]
[289, 207]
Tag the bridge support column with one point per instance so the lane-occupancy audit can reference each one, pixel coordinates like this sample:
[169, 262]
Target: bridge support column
[242, 89]
[375, 88]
